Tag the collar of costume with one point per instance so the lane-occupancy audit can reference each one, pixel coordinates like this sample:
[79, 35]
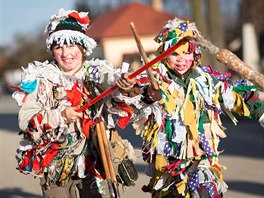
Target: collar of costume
[179, 75]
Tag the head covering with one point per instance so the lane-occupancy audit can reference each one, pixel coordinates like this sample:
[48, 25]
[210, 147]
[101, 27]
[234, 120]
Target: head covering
[69, 27]
[174, 31]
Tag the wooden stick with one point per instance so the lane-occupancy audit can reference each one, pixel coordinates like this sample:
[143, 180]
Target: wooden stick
[102, 150]
[233, 62]
[104, 159]
[144, 56]
[107, 152]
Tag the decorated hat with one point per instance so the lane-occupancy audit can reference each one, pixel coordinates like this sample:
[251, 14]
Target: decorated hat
[69, 27]
[173, 32]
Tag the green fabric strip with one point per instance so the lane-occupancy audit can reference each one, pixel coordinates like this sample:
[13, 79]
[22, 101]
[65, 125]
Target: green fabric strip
[201, 121]
[168, 129]
[69, 23]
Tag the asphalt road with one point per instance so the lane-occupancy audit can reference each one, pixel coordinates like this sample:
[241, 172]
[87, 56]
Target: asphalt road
[243, 152]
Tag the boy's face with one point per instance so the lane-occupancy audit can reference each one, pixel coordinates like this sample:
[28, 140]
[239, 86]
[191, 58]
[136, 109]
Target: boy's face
[68, 57]
[180, 62]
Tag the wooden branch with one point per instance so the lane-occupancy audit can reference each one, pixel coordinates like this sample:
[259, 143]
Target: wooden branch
[102, 150]
[104, 160]
[144, 57]
[232, 61]
[107, 152]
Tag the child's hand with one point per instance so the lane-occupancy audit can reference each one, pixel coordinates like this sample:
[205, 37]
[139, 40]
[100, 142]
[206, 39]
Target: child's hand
[125, 84]
[71, 115]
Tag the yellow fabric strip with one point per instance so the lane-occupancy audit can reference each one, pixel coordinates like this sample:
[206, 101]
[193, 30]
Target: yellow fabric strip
[189, 115]
[181, 186]
[217, 172]
[153, 130]
[240, 106]
[160, 163]
[66, 169]
[216, 97]
[169, 102]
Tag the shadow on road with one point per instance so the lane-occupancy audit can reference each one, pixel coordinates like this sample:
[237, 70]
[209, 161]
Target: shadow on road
[9, 122]
[16, 192]
[245, 139]
[238, 186]
[246, 187]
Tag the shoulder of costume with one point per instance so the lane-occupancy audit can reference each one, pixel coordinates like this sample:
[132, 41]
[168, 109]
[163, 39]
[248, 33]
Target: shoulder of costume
[36, 69]
[96, 69]
[201, 70]
[98, 63]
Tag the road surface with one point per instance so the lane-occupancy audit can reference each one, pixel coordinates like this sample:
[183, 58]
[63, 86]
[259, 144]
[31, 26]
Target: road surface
[243, 155]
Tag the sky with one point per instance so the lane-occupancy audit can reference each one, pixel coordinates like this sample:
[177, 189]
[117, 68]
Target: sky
[24, 16]
[29, 17]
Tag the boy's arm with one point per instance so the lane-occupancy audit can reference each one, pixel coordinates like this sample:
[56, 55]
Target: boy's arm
[248, 100]
[33, 110]
[29, 108]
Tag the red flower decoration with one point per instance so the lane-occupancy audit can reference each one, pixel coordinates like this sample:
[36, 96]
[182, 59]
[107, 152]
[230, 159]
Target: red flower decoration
[83, 20]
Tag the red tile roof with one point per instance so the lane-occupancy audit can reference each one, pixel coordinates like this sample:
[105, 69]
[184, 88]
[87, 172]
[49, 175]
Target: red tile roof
[115, 23]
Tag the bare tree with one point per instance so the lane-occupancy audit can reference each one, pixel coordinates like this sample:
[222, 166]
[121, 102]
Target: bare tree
[84, 6]
[27, 50]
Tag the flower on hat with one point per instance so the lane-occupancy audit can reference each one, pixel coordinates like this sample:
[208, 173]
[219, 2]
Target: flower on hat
[69, 27]
[81, 19]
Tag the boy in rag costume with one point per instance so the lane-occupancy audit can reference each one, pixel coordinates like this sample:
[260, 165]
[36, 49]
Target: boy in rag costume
[59, 144]
[180, 123]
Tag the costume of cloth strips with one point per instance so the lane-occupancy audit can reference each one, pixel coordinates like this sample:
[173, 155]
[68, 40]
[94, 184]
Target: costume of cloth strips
[182, 131]
[49, 148]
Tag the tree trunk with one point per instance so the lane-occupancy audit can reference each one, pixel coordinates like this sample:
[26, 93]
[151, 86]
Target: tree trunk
[216, 29]
[200, 21]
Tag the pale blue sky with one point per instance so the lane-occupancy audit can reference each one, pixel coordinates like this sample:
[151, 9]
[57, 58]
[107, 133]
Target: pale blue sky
[25, 16]
[31, 16]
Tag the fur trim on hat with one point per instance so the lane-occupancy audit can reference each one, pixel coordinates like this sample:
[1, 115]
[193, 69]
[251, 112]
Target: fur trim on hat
[69, 35]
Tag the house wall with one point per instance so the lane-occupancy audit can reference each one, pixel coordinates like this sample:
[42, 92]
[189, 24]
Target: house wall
[115, 48]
